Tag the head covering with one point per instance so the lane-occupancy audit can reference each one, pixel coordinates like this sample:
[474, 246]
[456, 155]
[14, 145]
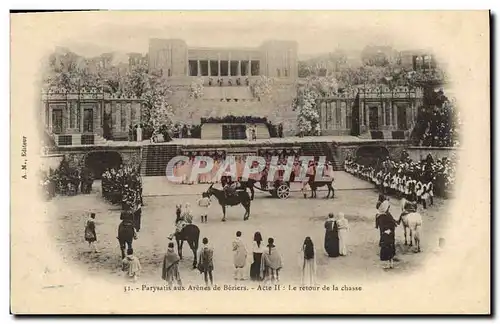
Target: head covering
[340, 216]
[330, 215]
[384, 207]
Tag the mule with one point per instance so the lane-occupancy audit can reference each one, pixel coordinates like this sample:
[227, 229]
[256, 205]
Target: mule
[314, 185]
[239, 197]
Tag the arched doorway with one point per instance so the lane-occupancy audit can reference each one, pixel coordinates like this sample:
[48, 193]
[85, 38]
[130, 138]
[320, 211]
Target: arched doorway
[370, 155]
[99, 161]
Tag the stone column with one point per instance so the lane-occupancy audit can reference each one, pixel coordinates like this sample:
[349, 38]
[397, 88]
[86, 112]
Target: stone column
[390, 114]
[249, 66]
[229, 65]
[80, 108]
[218, 63]
[412, 113]
[336, 122]
[367, 114]
[118, 116]
[209, 70]
[239, 68]
[129, 114]
[383, 113]
[361, 113]
[98, 119]
[198, 68]
[343, 114]
[395, 115]
[50, 117]
[45, 112]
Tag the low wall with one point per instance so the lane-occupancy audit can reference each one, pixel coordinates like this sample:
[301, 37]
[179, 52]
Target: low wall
[418, 153]
[394, 147]
[75, 155]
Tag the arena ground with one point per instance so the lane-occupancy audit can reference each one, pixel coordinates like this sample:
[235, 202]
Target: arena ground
[289, 221]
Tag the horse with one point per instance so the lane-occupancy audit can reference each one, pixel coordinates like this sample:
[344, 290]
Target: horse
[413, 222]
[189, 233]
[126, 235]
[239, 197]
[317, 184]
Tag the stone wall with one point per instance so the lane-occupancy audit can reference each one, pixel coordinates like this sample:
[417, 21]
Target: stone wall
[76, 155]
[395, 148]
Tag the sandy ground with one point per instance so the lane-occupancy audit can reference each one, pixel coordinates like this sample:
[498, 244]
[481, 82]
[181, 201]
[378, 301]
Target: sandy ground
[289, 221]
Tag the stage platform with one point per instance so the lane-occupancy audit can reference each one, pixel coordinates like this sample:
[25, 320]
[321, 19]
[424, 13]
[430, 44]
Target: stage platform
[259, 142]
[154, 157]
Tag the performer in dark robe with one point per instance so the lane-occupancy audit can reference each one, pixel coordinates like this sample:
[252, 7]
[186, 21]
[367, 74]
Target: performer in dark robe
[387, 225]
[258, 249]
[331, 237]
[90, 234]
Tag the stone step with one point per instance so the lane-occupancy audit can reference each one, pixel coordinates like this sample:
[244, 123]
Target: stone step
[155, 159]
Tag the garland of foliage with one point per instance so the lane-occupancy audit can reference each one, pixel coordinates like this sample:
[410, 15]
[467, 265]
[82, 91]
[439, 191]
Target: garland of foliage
[197, 88]
[234, 119]
[262, 87]
[274, 130]
[307, 112]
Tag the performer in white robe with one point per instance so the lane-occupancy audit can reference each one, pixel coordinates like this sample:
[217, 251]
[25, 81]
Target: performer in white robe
[139, 133]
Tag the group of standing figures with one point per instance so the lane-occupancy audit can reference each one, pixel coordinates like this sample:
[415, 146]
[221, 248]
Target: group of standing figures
[267, 261]
[336, 235]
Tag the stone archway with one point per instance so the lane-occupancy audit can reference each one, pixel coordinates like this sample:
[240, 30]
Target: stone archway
[99, 161]
[370, 155]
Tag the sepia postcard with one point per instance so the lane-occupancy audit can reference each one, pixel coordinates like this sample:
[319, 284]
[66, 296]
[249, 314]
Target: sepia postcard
[250, 162]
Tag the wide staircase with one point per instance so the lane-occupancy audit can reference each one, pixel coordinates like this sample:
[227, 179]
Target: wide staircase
[155, 159]
[322, 149]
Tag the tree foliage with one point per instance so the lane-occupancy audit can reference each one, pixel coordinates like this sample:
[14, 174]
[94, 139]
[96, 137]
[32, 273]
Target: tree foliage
[438, 121]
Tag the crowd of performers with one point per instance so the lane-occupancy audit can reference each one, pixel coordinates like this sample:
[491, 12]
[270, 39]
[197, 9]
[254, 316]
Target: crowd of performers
[66, 180]
[406, 177]
[267, 261]
[125, 186]
[264, 259]
[183, 169]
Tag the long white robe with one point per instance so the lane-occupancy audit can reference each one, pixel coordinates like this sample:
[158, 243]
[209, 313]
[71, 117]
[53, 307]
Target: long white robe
[139, 134]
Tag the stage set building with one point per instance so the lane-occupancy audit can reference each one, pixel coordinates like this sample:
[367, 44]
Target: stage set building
[226, 77]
